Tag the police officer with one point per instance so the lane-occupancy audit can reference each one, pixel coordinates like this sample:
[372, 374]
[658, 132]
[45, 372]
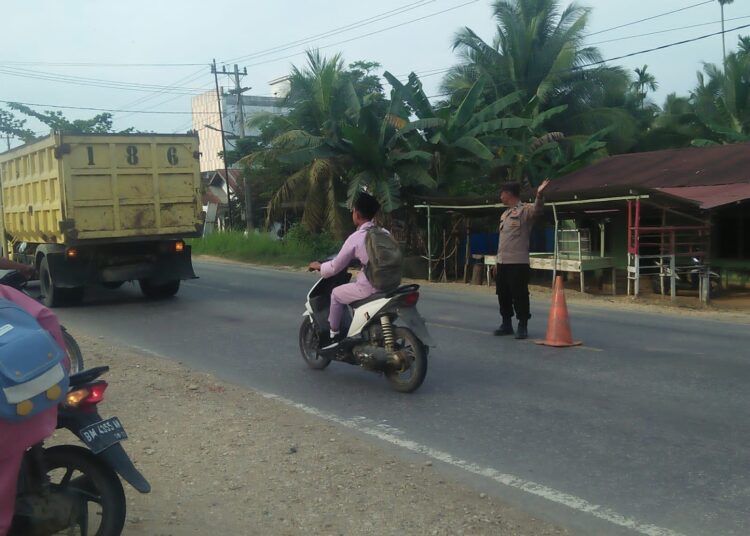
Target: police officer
[512, 271]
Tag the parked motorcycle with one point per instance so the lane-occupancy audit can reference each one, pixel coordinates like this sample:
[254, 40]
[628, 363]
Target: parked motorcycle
[686, 278]
[69, 489]
[384, 334]
[17, 281]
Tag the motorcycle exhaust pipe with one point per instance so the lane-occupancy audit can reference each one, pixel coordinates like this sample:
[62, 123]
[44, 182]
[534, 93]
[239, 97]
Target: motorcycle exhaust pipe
[370, 357]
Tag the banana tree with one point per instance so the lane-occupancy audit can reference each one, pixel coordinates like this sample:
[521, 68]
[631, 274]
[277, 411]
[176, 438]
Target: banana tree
[457, 137]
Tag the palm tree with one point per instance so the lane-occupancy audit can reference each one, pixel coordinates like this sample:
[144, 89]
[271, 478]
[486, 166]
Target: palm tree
[722, 100]
[536, 46]
[538, 49]
[744, 45]
[723, 3]
[643, 83]
[338, 143]
[322, 100]
[321, 95]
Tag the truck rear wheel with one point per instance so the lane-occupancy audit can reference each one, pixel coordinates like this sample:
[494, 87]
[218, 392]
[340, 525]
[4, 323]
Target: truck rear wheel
[164, 290]
[54, 296]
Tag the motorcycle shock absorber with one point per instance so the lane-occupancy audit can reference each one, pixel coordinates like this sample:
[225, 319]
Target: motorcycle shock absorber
[385, 323]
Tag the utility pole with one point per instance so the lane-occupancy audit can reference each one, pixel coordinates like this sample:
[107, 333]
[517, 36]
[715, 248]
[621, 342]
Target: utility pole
[223, 143]
[7, 138]
[239, 90]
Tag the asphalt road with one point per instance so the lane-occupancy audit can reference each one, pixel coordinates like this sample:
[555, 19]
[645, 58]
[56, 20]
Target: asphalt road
[643, 430]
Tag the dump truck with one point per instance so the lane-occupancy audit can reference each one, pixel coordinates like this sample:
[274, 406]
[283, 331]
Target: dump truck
[102, 209]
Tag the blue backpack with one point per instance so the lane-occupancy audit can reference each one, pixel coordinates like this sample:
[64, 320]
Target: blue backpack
[32, 373]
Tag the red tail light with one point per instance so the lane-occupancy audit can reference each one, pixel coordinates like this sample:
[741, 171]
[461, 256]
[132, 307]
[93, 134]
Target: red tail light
[86, 396]
[410, 300]
[96, 393]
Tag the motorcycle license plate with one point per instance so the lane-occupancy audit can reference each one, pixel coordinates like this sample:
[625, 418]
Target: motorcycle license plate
[103, 434]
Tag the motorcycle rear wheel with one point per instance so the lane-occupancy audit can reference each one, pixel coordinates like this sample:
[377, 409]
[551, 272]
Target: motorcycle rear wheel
[309, 343]
[76, 471]
[409, 380]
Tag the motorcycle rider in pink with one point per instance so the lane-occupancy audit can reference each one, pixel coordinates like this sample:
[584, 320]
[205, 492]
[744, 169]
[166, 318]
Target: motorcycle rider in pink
[17, 437]
[363, 211]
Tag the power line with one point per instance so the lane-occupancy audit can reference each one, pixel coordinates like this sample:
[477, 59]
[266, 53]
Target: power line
[371, 33]
[95, 64]
[670, 45]
[184, 80]
[94, 82]
[335, 31]
[110, 110]
[582, 68]
[668, 30]
[573, 69]
[433, 72]
[130, 113]
[650, 18]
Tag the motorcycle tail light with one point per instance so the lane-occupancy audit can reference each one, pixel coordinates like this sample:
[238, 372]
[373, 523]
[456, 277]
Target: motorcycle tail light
[410, 300]
[96, 393]
[86, 396]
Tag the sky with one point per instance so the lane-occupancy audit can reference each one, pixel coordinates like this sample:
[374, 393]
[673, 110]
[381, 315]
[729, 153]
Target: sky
[152, 56]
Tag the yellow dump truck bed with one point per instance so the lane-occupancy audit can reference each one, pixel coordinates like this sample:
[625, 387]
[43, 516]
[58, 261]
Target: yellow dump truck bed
[69, 189]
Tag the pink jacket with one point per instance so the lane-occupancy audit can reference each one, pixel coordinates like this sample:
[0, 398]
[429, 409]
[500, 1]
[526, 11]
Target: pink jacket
[15, 437]
[354, 247]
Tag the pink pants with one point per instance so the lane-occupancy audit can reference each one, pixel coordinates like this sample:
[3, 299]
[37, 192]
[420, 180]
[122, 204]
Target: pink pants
[344, 295]
[16, 437]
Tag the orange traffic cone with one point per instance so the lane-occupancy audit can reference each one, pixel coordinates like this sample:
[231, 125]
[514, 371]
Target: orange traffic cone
[558, 326]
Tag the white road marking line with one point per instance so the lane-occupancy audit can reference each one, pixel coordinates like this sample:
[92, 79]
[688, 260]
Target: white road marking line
[540, 490]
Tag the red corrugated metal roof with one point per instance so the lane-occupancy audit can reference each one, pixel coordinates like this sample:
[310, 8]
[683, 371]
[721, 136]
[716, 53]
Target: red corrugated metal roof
[712, 196]
[695, 166]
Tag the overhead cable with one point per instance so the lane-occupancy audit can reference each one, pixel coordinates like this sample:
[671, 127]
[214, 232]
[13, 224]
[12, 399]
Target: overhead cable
[370, 33]
[334, 31]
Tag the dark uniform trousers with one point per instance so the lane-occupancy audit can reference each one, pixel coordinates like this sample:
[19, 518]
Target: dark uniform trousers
[512, 287]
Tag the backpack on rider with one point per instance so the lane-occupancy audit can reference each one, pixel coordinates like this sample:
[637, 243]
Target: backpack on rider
[385, 265]
[33, 375]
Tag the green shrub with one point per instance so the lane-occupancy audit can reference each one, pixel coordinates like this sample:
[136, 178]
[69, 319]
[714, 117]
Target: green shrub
[320, 245]
[298, 248]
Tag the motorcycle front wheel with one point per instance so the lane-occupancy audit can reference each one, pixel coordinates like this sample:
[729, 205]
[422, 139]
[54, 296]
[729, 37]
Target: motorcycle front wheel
[76, 472]
[309, 344]
[73, 350]
[408, 378]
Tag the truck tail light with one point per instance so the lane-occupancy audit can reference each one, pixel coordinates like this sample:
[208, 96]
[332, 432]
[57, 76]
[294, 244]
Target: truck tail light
[71, 253]
[179, 246]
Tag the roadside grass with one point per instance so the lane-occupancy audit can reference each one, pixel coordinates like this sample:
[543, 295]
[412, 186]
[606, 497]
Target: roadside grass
[297, 248]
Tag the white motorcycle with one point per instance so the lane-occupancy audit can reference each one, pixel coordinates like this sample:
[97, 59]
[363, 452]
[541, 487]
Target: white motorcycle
[384, 334]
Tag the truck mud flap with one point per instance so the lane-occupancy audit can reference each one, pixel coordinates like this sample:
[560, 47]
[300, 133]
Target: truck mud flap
[172, 266]
[70, 273]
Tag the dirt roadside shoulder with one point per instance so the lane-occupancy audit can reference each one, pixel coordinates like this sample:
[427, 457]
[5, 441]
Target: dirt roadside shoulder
[225, 460]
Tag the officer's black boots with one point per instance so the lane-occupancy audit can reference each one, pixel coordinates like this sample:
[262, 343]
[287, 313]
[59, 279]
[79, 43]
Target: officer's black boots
[506, 328]
[522, 332]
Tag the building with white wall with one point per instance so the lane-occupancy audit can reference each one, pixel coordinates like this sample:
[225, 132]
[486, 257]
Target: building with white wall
[235, 117]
